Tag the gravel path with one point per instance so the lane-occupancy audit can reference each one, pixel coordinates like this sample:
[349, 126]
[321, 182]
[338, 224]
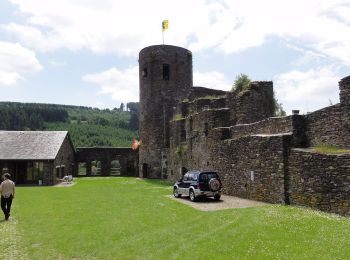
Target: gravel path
[226, 202]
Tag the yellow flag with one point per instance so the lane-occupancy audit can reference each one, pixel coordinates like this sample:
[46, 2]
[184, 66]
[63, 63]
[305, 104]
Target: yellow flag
[165, 24]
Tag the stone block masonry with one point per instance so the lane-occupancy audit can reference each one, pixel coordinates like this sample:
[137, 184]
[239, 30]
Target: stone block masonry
[252, 167]
[127, 158]
[320, 181]
[258, 156]
[165, 80]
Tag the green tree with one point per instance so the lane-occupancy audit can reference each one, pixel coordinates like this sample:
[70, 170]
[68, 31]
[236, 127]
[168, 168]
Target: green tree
[241, 82]
[134, 108]
[279, 111]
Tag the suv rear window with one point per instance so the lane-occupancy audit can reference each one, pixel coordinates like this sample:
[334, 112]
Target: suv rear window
[185, 177]
[192, 176]
[207, 176]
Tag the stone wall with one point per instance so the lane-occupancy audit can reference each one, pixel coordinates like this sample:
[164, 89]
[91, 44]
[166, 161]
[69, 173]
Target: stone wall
[331, 125]
[253, 153]
[255, 103]
[252, 167]
[197, 92]
[49, 177]
[64, 163]
[320, 181]
[184, 127]
[344, 87]
[326, 126]
[294, 125]
[127, 158]
[189, 147]
[199, 142]
[198, 105]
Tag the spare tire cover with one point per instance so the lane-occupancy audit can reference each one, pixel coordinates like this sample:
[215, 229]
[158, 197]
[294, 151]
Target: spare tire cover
[214, 184]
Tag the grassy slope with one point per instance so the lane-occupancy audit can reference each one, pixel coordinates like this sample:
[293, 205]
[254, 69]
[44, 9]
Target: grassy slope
[88, 126]
[127, 218]
[88, 135]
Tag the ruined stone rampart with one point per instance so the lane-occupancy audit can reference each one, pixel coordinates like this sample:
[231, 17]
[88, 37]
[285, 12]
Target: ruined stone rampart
[186, 128]
[320, 181]
[198, 105]
[252, 167]
[326, 127]
[273, 125]
[331, 125]
[198, 92]
[254, 103]
[127, 158]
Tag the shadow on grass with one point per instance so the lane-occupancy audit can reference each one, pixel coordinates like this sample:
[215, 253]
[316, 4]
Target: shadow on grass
[159, 182]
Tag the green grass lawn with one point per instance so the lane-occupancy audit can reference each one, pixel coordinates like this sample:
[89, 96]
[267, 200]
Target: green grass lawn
[128, 218]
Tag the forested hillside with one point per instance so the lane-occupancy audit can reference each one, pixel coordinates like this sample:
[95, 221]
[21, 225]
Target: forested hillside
[87, 126]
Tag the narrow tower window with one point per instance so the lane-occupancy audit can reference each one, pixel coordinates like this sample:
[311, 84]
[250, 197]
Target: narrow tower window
[166, 71]
[144, 73]
[206, 129]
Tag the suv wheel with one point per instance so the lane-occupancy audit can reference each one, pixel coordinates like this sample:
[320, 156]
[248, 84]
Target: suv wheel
[217, 197]
[192, 196]
[176, 193]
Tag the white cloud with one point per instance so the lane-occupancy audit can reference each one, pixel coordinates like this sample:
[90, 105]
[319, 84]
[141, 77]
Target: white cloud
[56, 63]
[211, 79]
[307, 90]
[122, 85]
[124, 27]
[121, 27]
[15, 61]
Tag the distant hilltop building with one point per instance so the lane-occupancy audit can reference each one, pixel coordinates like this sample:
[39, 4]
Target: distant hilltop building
[258, 156]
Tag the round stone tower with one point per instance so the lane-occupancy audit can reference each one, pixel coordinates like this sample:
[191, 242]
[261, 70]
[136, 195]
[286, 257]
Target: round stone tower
[165, 74]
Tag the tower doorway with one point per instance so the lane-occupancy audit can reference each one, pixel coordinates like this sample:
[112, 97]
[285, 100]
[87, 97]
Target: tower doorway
[144, 170]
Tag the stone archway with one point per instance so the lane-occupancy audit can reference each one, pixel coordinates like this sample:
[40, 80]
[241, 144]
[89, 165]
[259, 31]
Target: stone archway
[107, 161]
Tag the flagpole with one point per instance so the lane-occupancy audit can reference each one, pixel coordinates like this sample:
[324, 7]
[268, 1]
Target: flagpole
[164, 27]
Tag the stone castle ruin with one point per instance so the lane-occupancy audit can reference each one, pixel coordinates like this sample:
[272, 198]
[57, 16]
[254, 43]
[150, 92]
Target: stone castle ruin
[258, 156]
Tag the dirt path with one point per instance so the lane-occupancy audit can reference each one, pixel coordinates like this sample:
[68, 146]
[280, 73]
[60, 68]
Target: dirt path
[226, 202]
[10, 240]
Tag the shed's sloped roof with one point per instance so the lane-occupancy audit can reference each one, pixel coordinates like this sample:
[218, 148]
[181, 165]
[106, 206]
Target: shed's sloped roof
[30, 145]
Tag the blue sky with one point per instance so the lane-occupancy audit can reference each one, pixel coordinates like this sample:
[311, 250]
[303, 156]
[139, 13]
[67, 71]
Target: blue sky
[85, 52]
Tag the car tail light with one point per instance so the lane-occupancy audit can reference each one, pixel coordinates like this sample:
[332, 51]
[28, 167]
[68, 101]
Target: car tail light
[198, 185]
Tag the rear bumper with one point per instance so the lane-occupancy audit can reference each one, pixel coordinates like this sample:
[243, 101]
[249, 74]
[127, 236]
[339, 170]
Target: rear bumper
[207, 193]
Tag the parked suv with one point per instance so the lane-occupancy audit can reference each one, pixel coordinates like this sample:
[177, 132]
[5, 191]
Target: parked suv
[199, 183]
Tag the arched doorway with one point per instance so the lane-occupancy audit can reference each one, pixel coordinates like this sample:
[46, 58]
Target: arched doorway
[144, 170]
